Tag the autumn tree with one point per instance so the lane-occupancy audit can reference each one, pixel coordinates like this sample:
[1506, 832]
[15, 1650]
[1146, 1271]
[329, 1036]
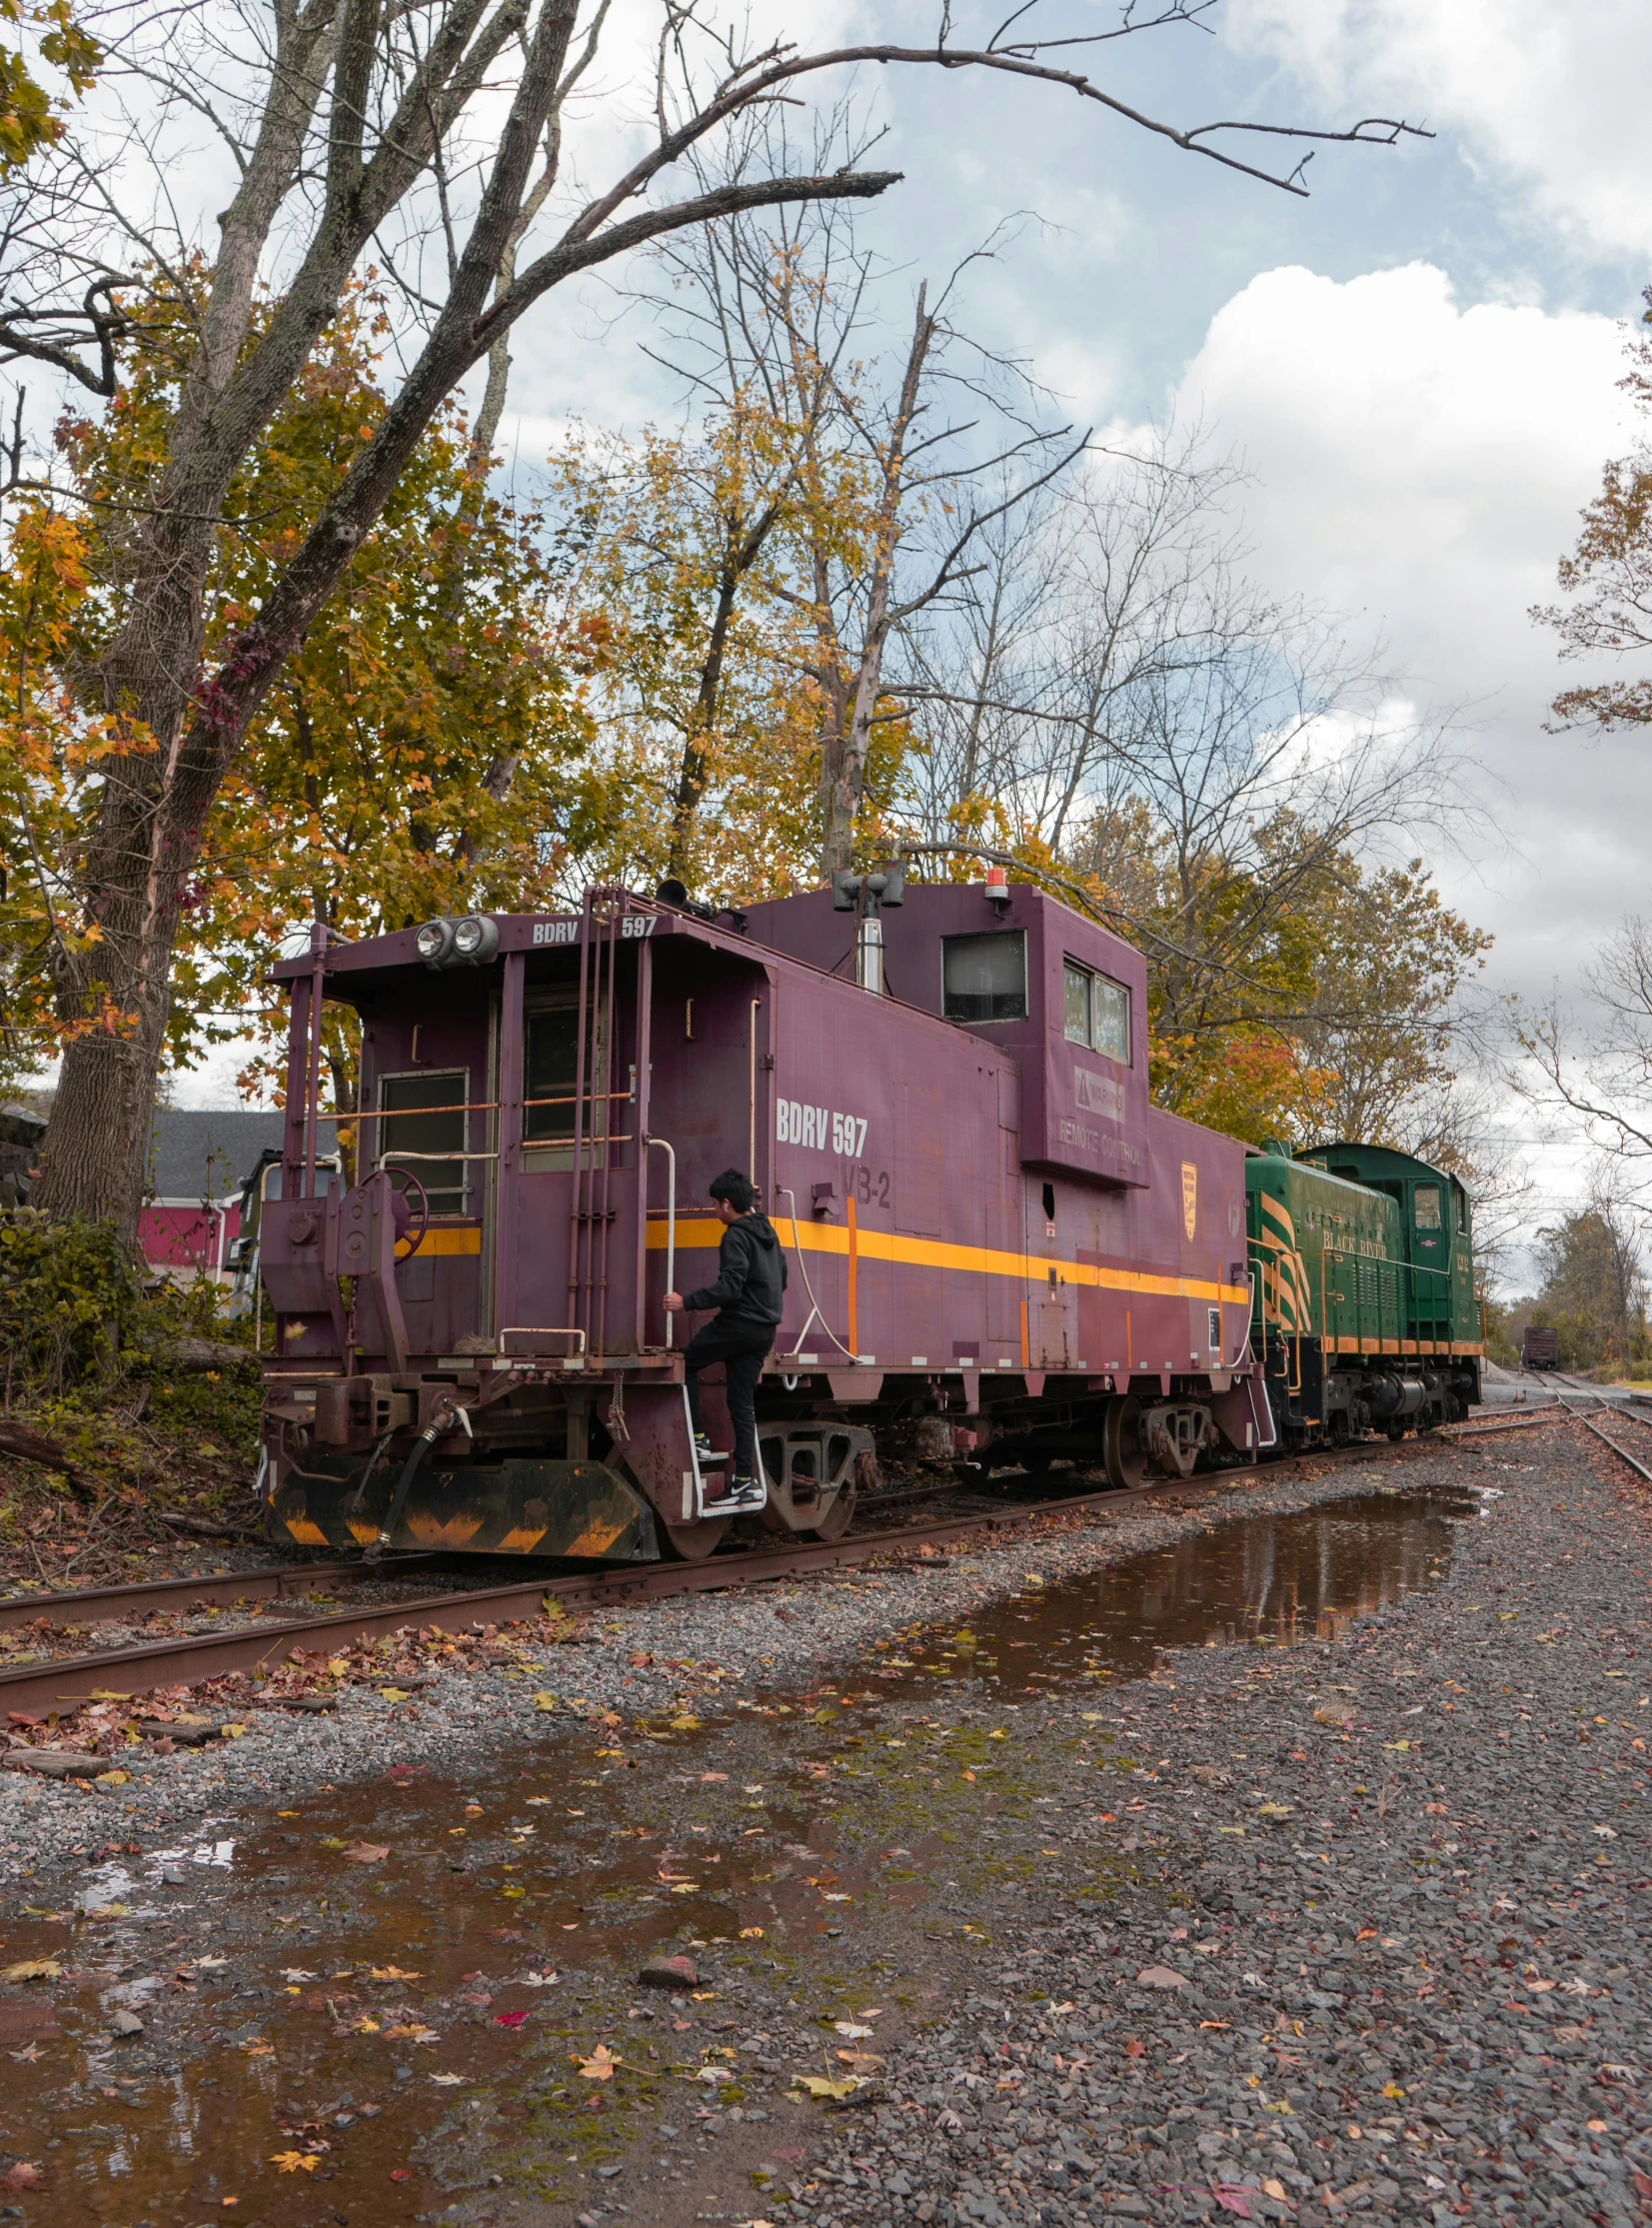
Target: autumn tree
[420, 136]
[415, 752]
[1608, 577]
[1224, 777]
[1594, 1289]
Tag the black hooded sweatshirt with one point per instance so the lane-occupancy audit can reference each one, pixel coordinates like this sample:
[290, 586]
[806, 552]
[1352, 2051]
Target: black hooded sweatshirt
[750, 1278]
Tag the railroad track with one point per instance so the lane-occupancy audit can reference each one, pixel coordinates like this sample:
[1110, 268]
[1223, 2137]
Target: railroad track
[1581, 1415]
[65, 1681]
[107, 1604]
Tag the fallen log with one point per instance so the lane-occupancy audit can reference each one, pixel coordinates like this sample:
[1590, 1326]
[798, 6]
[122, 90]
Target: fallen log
[28, 1447]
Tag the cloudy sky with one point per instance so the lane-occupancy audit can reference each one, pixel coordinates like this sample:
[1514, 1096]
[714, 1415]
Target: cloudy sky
[1417, 363]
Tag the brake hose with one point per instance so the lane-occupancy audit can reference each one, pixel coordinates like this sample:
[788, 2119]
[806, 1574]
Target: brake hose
[440, 1423]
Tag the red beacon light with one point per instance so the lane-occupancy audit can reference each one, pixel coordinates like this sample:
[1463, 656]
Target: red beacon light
[997, 886]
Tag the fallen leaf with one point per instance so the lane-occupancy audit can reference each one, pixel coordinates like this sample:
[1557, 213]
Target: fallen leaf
[401, 2173]
[509, 2018]
[296, 1972]
[375, 1972]
[26, 2056]
[35, 1968]
[684, 1724]
[1393, 2088]
[821, 2088]
[1231, 2198]
[1273, 1811]
[392, 1694]
[448, 2080]
[21, 2176]
[367, 1852]
[115, 1779]
[293, 2162]
[545, 1702]
[1333, 1714]
[600, 2065]
[849, 2030]
[751, 1933]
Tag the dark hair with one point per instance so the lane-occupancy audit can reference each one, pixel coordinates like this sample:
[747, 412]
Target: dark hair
[736, 1189]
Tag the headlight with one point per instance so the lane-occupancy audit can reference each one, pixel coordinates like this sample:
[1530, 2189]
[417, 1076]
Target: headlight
[434, 942]
[475, 938]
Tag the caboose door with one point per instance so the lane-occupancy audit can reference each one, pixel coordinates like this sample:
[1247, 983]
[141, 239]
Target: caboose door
[567, 1196]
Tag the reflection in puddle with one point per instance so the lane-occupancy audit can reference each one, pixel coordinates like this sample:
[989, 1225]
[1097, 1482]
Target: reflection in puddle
[1275, 1579]
[324, 2032]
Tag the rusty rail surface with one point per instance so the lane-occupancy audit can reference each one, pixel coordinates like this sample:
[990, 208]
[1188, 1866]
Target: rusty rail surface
[103, 1604]
[128, 1672]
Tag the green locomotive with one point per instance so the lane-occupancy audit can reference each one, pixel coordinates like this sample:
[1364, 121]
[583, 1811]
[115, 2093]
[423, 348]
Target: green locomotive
[1362, 1291]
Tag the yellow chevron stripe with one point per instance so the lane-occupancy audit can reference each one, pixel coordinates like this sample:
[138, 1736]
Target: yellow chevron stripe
[1280, 1213]
[702, 1232]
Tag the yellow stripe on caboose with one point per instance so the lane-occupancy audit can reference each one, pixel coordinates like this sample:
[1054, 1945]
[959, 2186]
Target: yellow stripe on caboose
[702, 1232]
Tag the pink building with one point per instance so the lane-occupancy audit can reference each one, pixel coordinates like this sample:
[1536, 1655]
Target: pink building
[202, 1163]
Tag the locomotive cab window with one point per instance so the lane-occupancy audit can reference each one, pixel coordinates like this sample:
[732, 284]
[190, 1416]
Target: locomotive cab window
[1096, 1012]
[430, 1125]
[983, 977]
[1426, 1207]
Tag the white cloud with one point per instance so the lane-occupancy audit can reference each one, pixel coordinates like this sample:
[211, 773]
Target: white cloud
[1553, 96]
[1419, 466]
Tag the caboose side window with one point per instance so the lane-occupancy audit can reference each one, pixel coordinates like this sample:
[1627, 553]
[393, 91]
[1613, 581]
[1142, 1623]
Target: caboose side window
[550, 1072]
[419, 1140]
[551, 1030]
[1096, 1012]
[983, 977]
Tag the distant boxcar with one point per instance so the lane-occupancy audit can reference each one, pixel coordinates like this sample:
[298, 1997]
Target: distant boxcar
[1540, 1348]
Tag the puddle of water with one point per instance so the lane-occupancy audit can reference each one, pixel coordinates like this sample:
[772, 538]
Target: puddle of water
[370, 2017]
[1264, 1579]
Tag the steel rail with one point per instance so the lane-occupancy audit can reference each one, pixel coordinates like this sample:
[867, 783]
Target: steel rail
[102, 1605]
[128, 1672]
[1622, 1452]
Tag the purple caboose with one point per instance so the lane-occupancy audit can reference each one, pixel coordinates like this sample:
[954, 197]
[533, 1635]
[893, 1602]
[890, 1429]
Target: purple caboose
[940, 1093]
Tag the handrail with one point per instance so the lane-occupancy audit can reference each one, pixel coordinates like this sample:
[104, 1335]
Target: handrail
[540, 1330]
[669, 1152]
[468, 1106]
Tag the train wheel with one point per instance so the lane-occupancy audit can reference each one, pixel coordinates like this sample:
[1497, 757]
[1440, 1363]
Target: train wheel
[1125, 1457]
[693, 1542]
[837, 1519]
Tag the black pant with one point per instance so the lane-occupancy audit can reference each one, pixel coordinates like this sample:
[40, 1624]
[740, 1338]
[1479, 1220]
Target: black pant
[741, 1345]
